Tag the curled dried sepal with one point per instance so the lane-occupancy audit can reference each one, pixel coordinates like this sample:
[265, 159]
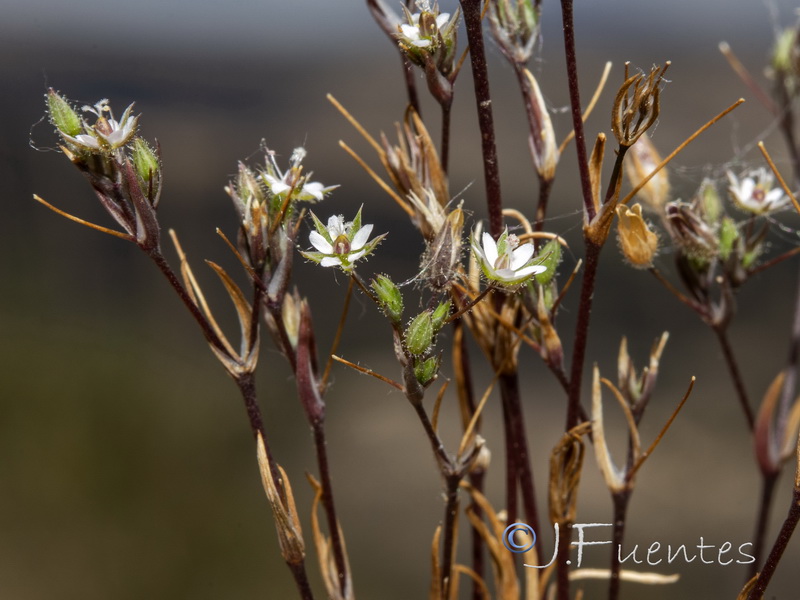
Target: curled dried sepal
[640, 161]
[637, 389]
[614, 477]
[636, 240]
[636, 106]
[327, 561]
[542, 137]
[775, 439]
[491, 532]
[566, 462]
[287, 522]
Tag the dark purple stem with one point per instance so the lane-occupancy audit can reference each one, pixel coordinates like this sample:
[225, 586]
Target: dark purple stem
[575, 102]
[785, 534]
[480, 76]
[736, 375]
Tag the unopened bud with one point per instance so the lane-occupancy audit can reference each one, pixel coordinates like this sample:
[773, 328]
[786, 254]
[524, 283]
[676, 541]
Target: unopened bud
[389, 296]
[542, 139]
[440, 315]
[145, 161]
[728, 234]
[62, 115]
[419, 334]
[636, 241]
[710, 203]
[426, 370]
[640, 162]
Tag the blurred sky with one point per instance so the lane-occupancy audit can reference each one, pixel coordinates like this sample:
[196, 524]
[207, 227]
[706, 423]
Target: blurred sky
[125, 462]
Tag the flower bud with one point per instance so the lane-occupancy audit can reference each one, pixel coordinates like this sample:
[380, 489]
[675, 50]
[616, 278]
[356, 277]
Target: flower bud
[695, 238]
[419, 335]
[728, 234]
[389, 296]
[426, 370]
[710, 203]
[145, 161]
[62, 114]
[636, 241]
[440, 315]
[642, 160]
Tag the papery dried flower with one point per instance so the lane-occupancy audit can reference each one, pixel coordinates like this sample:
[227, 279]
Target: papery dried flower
[754, 193]
[442, 257]
[506, 262]
[636, 106]
[341, 243]
[637, 242]
[640, 161]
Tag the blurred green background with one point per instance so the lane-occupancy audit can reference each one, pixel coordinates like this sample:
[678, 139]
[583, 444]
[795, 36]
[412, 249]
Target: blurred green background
[126, 465]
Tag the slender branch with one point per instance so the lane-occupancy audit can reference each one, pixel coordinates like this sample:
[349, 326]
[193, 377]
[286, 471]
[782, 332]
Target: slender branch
[337, 543]
[514, 424]
[575, 102]
[621, 501]
[785, 534]
[582, 333]
[480, 76]
[444, 150]
[768, 482]
[736, 375]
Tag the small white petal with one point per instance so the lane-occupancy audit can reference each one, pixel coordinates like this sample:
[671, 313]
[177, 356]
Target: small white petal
[315, 189]
[530, 270]
[410, 31]
[320, 243]
[331, 261]
[746, 189]
[489, 248]
[361, 237]
[355, 256]
[442, 20]
[336, 226]
[521, 255]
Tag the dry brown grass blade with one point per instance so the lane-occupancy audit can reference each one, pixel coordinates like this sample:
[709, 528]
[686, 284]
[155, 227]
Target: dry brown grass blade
[679, 149]
[663, 431]
[437, 406]
[748, 587]
[366, 371]
[473, 423]
[196, 294]
[775, 170]
[477, 579]
[378, 179]
[503, 566]
[590, 107]
[125, 236]
[629, 419]
[436, 591]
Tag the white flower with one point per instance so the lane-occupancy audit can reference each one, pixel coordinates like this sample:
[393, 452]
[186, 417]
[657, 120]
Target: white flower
[506, 261]
[411, 34]
[281, 183]
[107, 133]
[340, 243]
[755, 194]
